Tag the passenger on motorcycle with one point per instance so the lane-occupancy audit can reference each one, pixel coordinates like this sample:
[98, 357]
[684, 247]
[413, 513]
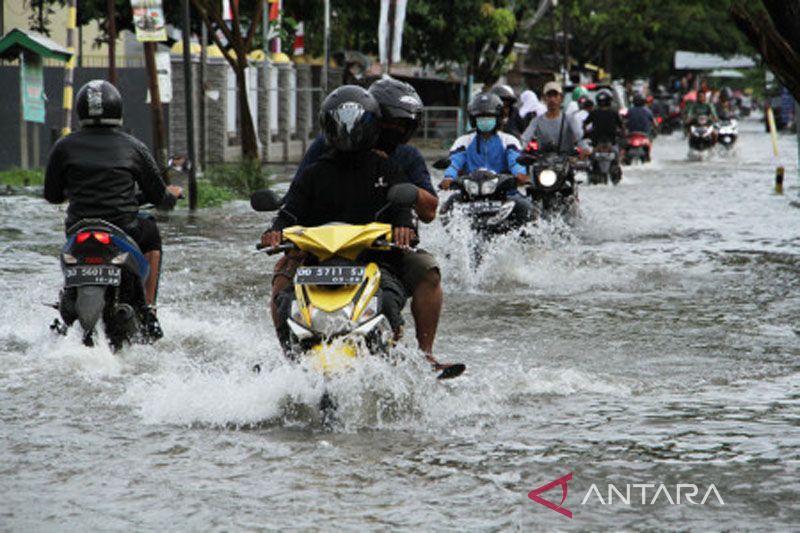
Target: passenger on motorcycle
[488, 149]
[98, 170]
[586, 105]
[553, 130]
[640, 119]
[509, 99]
[529, 108]
[401, 110]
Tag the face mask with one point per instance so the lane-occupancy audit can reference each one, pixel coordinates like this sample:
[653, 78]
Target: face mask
[485, 124]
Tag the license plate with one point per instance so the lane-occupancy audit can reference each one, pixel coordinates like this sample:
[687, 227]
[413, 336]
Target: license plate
[485, 207]
[75, 276]
[329, 275]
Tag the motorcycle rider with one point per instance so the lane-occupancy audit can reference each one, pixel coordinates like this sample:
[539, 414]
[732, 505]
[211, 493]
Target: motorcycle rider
[529, 108]
[603, 124]
[586, 105]
[725, 108]
[401, 110]
[488, 148]
[699, 108]
[98, 170]
[640, 119]
[348, 183]
[553, 130]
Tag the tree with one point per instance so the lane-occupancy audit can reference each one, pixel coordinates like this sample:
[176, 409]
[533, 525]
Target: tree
[236, 55]
[639, 37]
[774, 30]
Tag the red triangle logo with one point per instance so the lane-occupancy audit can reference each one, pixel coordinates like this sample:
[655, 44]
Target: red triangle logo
[534, 495]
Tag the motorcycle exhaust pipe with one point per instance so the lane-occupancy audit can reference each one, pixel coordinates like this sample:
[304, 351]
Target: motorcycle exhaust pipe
[89, 305]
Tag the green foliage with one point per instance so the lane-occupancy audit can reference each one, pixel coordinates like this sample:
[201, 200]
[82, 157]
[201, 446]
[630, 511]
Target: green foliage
[641, 36]
[17, 177]
[211, 195]
[241, 178]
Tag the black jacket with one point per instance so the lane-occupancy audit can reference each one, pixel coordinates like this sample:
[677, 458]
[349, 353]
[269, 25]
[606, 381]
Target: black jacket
[344, 187]
[98, 169]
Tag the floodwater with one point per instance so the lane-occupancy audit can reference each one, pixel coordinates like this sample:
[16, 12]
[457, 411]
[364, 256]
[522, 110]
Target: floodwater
[655, 342]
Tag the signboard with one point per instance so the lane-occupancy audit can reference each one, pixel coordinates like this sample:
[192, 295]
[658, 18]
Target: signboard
[148, 19]
[33, 98]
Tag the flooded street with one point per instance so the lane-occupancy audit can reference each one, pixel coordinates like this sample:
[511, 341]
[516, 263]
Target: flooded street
[655, 342]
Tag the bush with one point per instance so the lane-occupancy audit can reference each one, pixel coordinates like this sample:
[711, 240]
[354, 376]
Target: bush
[243, 178]
[210, 195]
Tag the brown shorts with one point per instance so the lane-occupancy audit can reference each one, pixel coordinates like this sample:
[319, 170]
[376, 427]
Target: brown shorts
[415, 265]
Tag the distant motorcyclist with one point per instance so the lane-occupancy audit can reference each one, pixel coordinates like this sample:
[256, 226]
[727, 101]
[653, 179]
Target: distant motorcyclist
[99, 168]
[586, 106]
[725, 105]
[488, 149]
[640, 119]
[603, 124]
[700, 107]
[553, 130]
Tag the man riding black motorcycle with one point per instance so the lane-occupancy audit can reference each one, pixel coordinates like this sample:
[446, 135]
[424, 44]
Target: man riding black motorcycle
[603, 124]
[698, 108]
[98, 170]
[553, 130]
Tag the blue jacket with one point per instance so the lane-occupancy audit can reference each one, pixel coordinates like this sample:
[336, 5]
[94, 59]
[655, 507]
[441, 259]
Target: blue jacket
[408, 157]
[472, 152]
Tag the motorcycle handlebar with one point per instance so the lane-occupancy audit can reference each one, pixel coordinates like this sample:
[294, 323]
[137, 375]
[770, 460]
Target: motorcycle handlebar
[272, 250]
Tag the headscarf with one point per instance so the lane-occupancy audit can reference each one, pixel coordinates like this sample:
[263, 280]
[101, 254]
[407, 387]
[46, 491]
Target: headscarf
[530, 102]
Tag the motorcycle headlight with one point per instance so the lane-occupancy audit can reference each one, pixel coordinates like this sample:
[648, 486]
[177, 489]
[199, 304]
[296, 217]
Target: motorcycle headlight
[488, 187]
[547, 178]
[369, 311]
[471, 187]
[333, 322]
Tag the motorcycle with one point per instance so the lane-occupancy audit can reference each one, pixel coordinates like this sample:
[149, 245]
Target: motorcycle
[604, 165]
[728, 132]
[483, 199]
[702, 134]
[553, 188]
[638, 148]
[336, 313]
[104, 273]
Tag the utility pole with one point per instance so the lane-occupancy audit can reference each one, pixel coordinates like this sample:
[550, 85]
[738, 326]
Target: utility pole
[155, 104]
[326, 47]
[565, 35]
[112, 42]
[390, 45]
[69, 68]
[188, 93]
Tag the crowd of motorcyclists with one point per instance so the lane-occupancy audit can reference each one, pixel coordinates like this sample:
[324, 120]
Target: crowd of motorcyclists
[516, 165]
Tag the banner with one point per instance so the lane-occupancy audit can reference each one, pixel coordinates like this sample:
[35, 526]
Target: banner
[383, 29]
[148, 19]
[32, 79]
[164, 73]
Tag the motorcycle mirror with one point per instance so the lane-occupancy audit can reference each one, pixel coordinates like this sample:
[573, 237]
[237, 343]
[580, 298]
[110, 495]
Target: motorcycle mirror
[441, 164]
[265, 200]
[403, 194]
[526, 159]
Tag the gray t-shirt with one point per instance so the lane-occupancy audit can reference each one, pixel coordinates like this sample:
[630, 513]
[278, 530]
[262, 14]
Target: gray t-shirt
[546, 131]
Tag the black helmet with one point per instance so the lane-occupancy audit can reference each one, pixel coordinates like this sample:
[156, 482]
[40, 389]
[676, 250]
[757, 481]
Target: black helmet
[349, 119]
[398, 100]
[638, 100]
[585, 102]
[506, 94]
[484, 105]
[99, 104]
[604, 98]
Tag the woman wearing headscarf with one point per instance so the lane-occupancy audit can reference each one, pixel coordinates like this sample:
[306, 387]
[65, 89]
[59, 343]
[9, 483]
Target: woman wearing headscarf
[529, 108]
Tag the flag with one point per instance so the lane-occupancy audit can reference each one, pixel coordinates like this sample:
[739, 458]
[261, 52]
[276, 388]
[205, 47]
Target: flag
[383, 29]
[299, 38]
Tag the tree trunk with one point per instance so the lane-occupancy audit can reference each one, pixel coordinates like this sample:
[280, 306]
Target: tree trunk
[782, 56]
[249, 143]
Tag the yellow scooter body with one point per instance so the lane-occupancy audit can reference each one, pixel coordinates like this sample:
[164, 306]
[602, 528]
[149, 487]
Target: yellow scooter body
[347, 301]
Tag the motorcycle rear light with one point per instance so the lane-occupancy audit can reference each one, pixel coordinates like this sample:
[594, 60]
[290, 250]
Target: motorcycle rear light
[659, 119]
[81, 238]
[102, 237]
[93, 260]
[590, 86]
[532, 146]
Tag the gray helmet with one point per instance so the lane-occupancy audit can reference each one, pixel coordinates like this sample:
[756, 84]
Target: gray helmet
[99, 104]
[484, 105]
